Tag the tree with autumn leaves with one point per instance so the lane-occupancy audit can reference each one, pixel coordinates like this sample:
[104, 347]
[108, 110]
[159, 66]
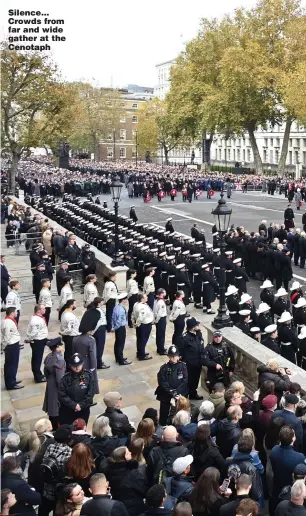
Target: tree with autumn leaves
[242, 72]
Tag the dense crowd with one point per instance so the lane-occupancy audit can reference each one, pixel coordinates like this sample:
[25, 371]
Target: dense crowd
[224, 457]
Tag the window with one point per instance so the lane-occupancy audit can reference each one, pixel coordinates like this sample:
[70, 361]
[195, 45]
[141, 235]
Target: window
[216, 153]
[110, 153]
[229, 154]
[220, 154]
[122, 134]
[290, 157]
[276, 156]
[271, 142]
[249, 155]
[135, 119]
[290, 142]
[234, 154]
[304, 158]
[134, 152]
[135, 106]
[298, 143]
[277, 142]
[271, 156]
[296, 157]
[265, 156]
[110, 136]
[122, 153]
[304, 142]
[122, 119]
[238, 154]
[266, 142]
[243, 154]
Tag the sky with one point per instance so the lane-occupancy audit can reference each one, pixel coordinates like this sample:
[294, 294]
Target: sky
[115, 43]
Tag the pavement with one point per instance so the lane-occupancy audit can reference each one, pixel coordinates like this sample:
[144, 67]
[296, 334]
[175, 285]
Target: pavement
[136, 382]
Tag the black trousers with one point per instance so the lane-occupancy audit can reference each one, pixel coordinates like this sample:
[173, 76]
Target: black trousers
[46, 507]
[68, 347]
[132, 301]
[38, 347]
[143, 335]
[164, 410]
[11, 354]
[179, 325]
[110, 305]
[100, 343]
[55, 422]
[151, 300]
[161, 334]
[4, 291]
[120, 336]
[194, 373]
[47, 314]
[67, 416]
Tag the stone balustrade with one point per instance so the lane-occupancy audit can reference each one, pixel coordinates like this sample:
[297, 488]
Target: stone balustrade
[103, 261]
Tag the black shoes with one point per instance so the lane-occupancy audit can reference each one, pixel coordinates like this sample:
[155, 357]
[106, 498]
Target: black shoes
[163, 352]
[198, 305]
[42, 380]
[146, 357]
[195, 397]
[211, 312]
[125, 362]
[103, 366]
[16, 387]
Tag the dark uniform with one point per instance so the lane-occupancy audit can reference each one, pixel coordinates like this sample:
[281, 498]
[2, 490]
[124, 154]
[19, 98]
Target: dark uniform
[172, 380]
[54, 370]
[75, 389]
[61, 278]
[301, 355]
[88, 262]
[240, 279]
[222, 354]
[133, 215]
[289, 343]
[210, 288]
[191, 347]
[288, 218]
[272, 344]
[232, 302]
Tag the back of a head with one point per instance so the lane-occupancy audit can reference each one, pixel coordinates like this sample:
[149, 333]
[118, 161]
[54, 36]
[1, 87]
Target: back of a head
[245, 444]
[218, 388]
[273, 364]
[286, 435]
[243, 482]
[182, 509]
[233, 412]
[97, 483]
[247, 507]
[101, 427]
[206, 409]
[12, 440]
[181, 418]
[170, 434]
[118, 455]
[298, 491]
[155, 496]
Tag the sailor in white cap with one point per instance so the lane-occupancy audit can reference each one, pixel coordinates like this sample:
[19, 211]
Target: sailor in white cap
[289, 343]
[266, 294]
[282, 303]
[232, 302]
[229, 268]
[270, 339]
[295, 292]
[132, 292]
[240, 276]
[301, 356]
[196, 270]
[246, 303]
[255, 333]
[243, 324]
[299, 314]
[264, 317]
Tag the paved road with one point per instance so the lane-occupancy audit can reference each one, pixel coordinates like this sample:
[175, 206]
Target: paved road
[248, 210]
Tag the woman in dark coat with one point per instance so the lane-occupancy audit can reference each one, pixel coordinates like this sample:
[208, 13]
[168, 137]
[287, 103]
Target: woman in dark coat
[127, 481]
[205, 453]
[26, 496]
[103, 442]
[54, 370]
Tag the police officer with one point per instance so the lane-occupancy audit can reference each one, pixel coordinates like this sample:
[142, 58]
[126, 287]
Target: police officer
[270, 340]
[172, 381]
[87, 261]
[54, 370]
[191, 347]
[219, 360]
[76, 392]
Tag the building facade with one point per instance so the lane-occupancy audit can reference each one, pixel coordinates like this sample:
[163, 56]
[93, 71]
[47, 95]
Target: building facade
[121, 142]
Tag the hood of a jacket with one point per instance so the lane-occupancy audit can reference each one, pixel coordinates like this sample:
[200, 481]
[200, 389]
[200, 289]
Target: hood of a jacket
[216, 400]
[225, 425]
[187, 431]
[238, 456]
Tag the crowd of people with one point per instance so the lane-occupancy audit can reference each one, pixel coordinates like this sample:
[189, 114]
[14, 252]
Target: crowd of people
[222, 458]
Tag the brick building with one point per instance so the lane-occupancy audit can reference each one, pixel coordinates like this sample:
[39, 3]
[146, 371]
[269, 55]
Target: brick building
[121, 143]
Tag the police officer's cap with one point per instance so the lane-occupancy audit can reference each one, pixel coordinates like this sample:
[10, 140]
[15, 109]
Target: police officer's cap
[191, 323]
[53, 343]
[173, 351]
[217, 333]
[76, 360]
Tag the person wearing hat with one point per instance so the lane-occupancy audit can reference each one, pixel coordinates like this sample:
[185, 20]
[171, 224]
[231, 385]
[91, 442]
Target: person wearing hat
[255, 333]
[38, 276]
[289, 343]
[288, 218]
[270, 340]
[266, 294]
[178, 316]
[149, 286]
[87, 262]
[180, 485]
[10, 339]
[191, 347]
[110, 295]
[76, 392]
[61, 274]
[264, 316]
[288, 414]
[160, 319]
[172, 381]
[169, 226]
[119, 323]
[54, 370]
[232, 302]
[196, 270]
[229, 268]
[244, 320]
[246, 303]
[85, 346]
[299, 473]
[295, 292]
[282, 303]
[299, 314]
[183, 281]
[210, 288]
[301, 355]
[132, 214]
[219, 360]
[240, 276]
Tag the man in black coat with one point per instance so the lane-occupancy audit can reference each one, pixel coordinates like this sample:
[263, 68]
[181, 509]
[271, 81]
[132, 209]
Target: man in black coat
[133, 215]
[5, 278]
[101, 502]
[191, 347]
[72, 252]
[118, 421]
[243, 486]
[210, 288]
[229, 431]
[289, 218]
[61, 275]
[296, 245]
[219, 360]
[87, 261]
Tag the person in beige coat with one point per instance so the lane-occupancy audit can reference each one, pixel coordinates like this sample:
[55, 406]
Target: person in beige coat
[47, 235]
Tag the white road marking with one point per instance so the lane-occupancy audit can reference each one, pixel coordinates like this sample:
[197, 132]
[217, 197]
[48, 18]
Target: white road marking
[182, 215]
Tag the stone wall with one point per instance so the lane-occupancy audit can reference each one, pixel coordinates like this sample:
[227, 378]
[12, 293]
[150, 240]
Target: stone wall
[102, 260]
[249, 354]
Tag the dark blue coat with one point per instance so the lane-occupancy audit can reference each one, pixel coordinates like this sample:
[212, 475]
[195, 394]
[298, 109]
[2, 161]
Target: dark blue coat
[25, 496]
[295, 423]
[283, 461]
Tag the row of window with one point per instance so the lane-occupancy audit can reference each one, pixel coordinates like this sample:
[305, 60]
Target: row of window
[268, 156]
[122, 135]
[122, 152]
[268, 142]
[123, 104]
[134, 119]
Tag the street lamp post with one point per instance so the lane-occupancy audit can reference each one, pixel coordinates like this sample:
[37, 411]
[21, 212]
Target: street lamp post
[222, 215]
[116, 188]
[114, 144]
